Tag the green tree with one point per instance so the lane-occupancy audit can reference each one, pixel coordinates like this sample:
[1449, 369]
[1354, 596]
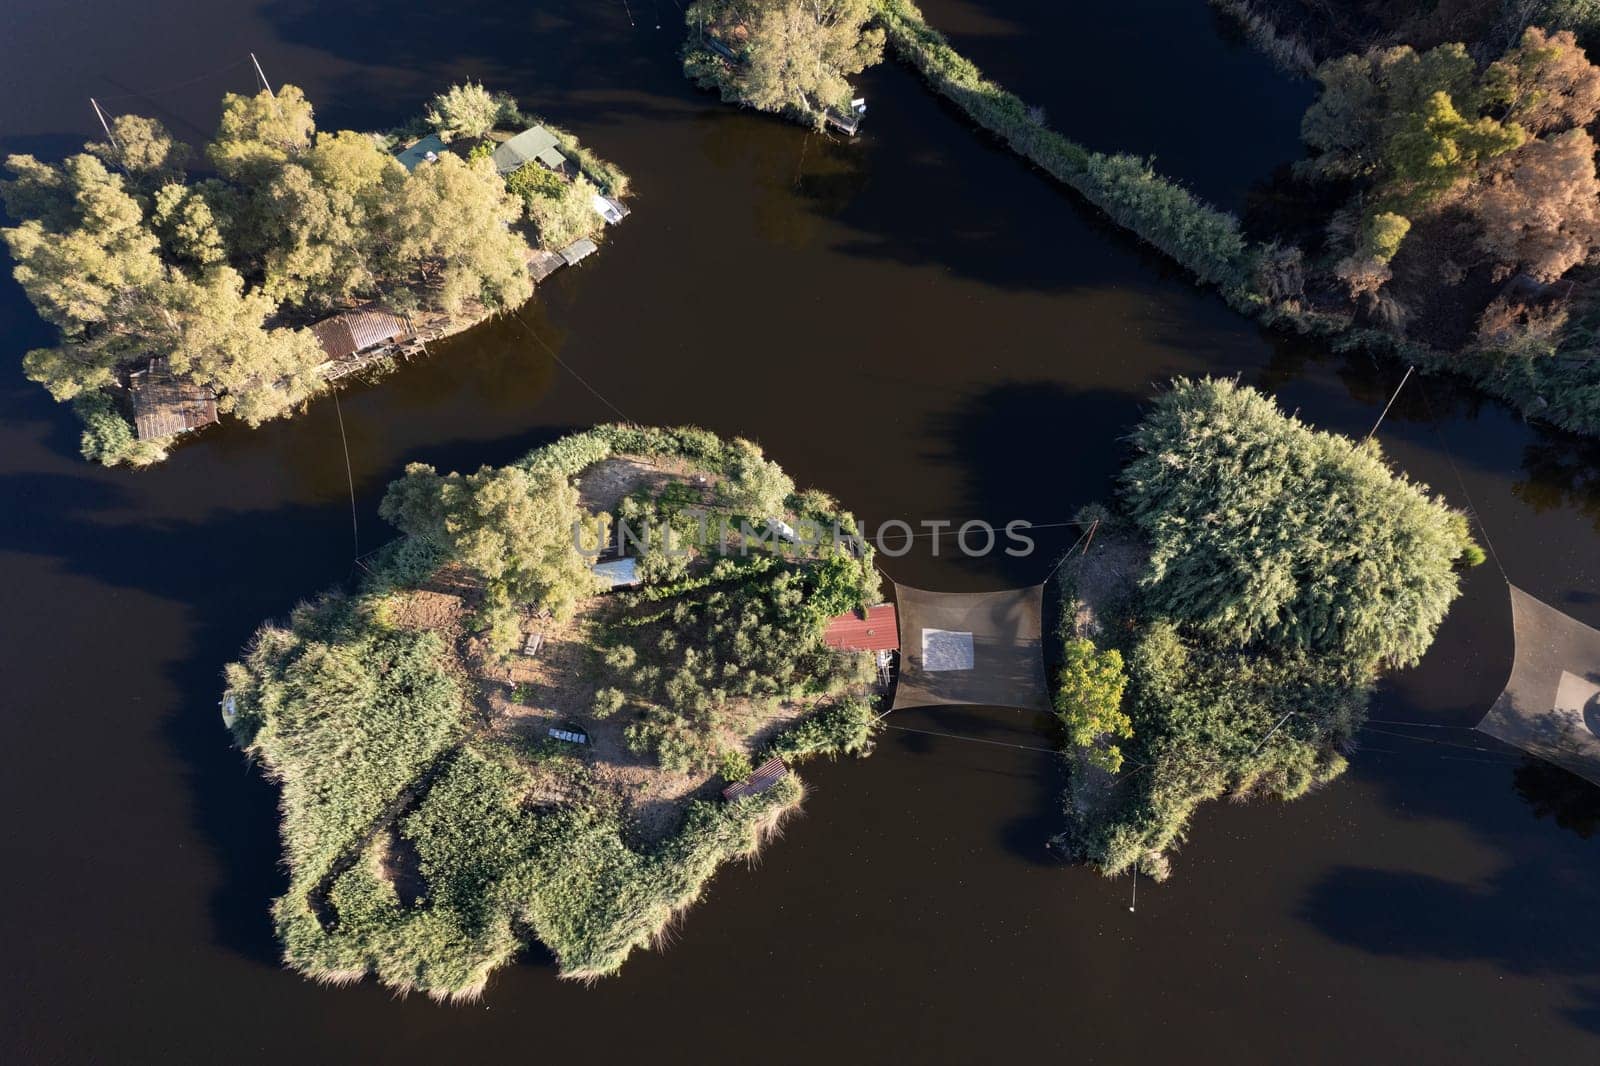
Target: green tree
[88, 262]
[791, 56]
[1089, 702]
[513, 527]
[1266, 532]
[1413, 122]
[755, 485]
[452, 232]
[466, 110]
[187, 225]
[144, 150]
[561, 211]
[258, 134]
[322, 223]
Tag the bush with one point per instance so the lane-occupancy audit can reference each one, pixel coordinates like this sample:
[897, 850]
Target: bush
[108, 436]
[1089, 701]
[734, 766]
[607, 701]
[560, 220]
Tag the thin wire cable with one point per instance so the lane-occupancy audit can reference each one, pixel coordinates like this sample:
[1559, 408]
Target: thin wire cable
[562, 363]
[355, 530]
[1442, 743]
[972, 740]
[1416, 725]
[180, 85]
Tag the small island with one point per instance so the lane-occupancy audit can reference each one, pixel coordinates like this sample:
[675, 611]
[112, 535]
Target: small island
[511, 733]
[1222, 632]
[299, 259]
[787, 57]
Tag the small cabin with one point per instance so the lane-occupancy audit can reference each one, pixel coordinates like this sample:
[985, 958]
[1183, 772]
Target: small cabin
[350, 333]
[876, 630]
[765, 776]
[164, 406]
[427, 150]
[848, 121]
[533, 145]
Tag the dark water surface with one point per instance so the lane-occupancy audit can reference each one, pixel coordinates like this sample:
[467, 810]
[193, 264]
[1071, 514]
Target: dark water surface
[913, 321]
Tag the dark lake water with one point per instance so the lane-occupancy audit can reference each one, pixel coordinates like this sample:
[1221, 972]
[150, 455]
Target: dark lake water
[926, 328]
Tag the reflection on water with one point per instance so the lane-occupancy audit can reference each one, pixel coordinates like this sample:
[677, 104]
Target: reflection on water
[911, 320]
[1552, 792]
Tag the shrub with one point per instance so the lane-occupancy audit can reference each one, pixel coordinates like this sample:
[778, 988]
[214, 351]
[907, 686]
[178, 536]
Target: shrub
[107, 436]
[734, 765]
[607, 701]
[1089, 701]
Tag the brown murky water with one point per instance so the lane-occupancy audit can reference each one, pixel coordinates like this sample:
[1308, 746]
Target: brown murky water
[913, 321]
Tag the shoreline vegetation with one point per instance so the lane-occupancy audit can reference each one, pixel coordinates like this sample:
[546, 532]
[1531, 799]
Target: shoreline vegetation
[295, 259]
[1222, 633]
[437, 813]
[1514, 352]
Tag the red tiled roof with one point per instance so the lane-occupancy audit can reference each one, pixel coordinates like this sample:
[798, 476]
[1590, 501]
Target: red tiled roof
[879, 631]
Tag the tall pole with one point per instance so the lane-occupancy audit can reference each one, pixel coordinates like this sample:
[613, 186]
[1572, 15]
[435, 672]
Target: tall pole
[264, 83]
[101, 115]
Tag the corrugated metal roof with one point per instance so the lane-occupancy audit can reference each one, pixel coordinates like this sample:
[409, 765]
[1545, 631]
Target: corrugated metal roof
[878, 631]
[766, 775]
[164, 406]
[345, 334]
[578, 250]
[523, 148]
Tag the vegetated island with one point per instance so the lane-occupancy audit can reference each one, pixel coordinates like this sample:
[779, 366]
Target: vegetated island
[788, 57]
[480, 747]
[1224, 629]
[301, 257]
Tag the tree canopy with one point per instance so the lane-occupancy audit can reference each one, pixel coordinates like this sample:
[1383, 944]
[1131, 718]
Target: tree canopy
[1267, 532]
[1425, 130]
[513, 527]
[466, 110]
[790, 56]
[130, 260]
[1089, 701]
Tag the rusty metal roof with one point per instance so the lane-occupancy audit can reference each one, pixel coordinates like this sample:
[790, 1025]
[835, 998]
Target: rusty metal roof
[349, 332]
[765, 776]
[164, 406]
[878, 631]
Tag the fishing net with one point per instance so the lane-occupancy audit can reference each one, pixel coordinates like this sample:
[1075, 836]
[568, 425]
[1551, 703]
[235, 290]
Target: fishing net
[1551, 704]
[979, 648]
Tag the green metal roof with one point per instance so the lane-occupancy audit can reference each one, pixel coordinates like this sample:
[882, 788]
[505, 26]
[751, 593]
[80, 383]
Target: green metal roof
[525, 147]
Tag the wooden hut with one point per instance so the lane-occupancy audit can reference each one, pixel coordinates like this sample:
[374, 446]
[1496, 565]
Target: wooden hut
[164, 406]
[350, 333]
